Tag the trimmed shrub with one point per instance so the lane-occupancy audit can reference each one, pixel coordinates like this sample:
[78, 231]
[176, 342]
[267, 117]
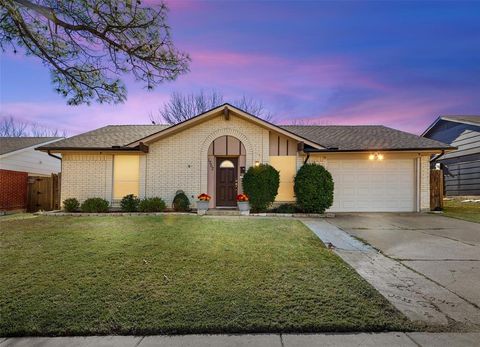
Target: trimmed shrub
[151, 205]
[129, 203]
[71, 205]
[286, 208]
[313, 188]
[95, 205]
[261, 183]
[181, 202]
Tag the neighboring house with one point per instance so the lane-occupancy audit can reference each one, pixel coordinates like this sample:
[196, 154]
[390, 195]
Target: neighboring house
[375, 168]
[18, 160]
[461, 167]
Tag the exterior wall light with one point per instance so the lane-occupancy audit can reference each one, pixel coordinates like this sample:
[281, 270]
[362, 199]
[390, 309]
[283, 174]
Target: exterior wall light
[257, 163]
[375, 156]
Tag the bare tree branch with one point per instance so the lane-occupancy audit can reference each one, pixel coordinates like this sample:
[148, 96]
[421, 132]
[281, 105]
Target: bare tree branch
[181, 107]
[12, 127]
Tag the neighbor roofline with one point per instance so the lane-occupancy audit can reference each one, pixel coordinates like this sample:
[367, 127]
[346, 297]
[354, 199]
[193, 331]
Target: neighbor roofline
[199, 117]
[34, 147]
[449, 119]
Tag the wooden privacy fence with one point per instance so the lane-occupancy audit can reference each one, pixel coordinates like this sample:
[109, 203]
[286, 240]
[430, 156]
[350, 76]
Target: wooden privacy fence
[436, 190]
[43, 193]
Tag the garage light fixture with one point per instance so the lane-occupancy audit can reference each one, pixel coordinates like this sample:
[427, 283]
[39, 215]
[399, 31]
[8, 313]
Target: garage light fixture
[375, 156]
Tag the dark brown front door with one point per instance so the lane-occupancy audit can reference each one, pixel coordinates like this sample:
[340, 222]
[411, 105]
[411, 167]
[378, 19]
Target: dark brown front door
[226, 191]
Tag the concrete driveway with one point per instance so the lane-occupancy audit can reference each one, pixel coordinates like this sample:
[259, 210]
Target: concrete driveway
[442, 249]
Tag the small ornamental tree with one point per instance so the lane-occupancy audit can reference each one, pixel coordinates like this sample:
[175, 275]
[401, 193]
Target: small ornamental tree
[260, 184]
[313, 188]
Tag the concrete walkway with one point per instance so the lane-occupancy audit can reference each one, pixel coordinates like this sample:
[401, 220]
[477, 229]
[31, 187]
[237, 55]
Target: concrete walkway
[260, 340]
[416, 296]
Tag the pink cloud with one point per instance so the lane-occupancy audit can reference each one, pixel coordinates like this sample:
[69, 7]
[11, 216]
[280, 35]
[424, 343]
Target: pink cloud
[77, 119]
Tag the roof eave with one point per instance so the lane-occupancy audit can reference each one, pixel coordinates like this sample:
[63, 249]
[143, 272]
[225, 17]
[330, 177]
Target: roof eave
[414, 149]
[86, 149]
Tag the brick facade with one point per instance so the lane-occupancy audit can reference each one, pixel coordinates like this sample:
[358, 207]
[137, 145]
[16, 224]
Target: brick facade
[425, 183]
[180, 161]
[87, 176]
[13, 190]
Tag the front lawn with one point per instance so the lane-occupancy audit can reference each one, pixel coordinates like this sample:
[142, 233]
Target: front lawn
[462, 210]
[178, 274]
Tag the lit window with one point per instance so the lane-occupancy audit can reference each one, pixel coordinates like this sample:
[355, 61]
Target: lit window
[126, 170]
[226, 164]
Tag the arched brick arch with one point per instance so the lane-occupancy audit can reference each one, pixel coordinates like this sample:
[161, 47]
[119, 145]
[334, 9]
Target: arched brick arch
[206, 144]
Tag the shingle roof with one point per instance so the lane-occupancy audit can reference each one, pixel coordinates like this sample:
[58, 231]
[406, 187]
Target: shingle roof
[363, 137]
[463, 119]
[11, 144]
[342, 138]
[108, 136]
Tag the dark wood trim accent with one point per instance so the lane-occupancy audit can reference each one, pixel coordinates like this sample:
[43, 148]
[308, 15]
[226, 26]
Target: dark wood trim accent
[287, 146]
[278, 145]
[143, 147]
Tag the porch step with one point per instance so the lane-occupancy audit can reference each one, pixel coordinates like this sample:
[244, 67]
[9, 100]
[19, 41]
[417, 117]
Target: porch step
[223, 212]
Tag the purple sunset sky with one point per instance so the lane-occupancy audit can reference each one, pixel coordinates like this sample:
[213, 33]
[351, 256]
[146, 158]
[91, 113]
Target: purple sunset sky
[401, 64]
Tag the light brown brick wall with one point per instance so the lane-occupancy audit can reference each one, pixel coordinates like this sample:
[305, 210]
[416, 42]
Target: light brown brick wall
[180, 161]
[87, 176]
[425, 183]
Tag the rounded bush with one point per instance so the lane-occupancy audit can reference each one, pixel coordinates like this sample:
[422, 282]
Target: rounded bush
[181, 202]
[261, 183]
[71, 205]
[313, 188]
[129, 203]
[95, 205]
[151, 205]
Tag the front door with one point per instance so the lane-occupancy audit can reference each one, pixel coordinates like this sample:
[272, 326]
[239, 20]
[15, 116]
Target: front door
[226, 182]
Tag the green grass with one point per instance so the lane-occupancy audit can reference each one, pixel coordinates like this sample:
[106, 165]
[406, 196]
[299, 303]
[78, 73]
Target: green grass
[178, 274]
[469, 211]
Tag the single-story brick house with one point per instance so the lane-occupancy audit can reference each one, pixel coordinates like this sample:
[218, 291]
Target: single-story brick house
[375, 168]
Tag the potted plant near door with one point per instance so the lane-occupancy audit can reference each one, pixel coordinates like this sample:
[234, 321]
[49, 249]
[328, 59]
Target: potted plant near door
[202, 203]
[243, 204]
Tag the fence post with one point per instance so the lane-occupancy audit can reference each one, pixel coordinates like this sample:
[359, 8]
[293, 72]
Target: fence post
[436, 190]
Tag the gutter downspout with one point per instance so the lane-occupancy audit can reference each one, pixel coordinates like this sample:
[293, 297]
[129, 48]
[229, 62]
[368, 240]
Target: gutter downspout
[306, 159]
[54, 156]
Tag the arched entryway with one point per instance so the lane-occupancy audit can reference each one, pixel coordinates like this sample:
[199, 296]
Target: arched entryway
[226, 166]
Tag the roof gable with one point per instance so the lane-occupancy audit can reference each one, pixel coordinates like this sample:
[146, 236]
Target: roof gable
[224, 110]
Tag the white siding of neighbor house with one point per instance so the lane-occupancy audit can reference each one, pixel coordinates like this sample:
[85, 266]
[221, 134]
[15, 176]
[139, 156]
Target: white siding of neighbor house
[29, 160]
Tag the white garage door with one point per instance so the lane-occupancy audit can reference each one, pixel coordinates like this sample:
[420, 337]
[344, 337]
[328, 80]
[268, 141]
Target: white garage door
[372, 185]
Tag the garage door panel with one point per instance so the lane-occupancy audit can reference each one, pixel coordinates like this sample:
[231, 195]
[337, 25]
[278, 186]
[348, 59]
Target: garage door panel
[369, 186]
